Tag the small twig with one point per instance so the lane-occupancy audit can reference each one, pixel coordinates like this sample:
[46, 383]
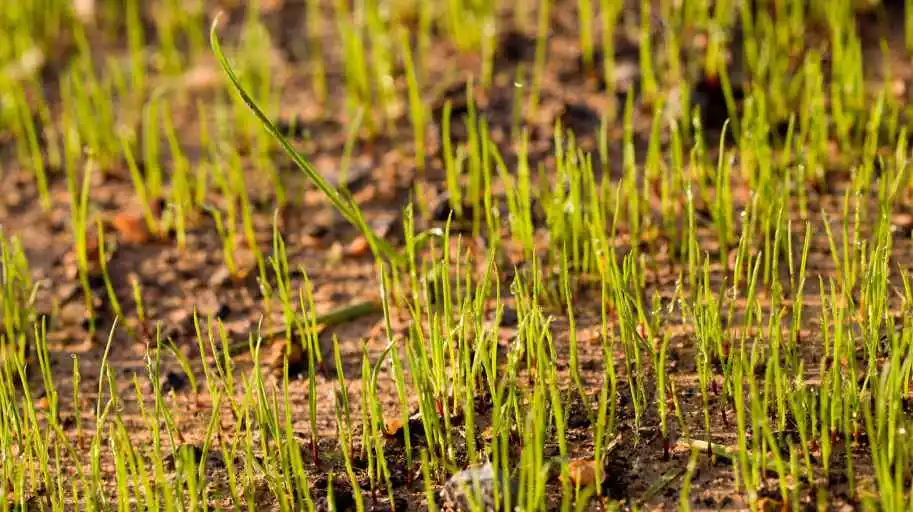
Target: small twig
[718, 450]
[727, 453]
[334, 317]
[612, 445]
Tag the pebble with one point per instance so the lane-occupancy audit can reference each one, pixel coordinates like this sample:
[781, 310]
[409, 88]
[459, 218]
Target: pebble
[472, 485]
[902, 222]
[72, 313]
[219, 277]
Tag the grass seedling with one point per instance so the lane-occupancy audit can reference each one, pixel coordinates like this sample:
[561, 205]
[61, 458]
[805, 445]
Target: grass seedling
[31, 154]
[79, 197]
[181, 199]
[542, 36]
[349, 147]
[792, 367]
[650, 87]
[315, 31]
[103, 265]
[344, 205]
[416, 107]
[452, 163]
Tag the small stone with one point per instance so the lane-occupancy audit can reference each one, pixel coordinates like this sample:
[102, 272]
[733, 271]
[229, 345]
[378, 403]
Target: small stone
[72, 313]
[219, 277]
[200, 78]
[84, 10]
[66, 291]
[475, 485]
[14, 199]
[187, 266]
[322, 222]
[365, 195]
[245, 263]
[335, 253]
[270, 5]
[181, 320]
[166, 277]
[902, 221]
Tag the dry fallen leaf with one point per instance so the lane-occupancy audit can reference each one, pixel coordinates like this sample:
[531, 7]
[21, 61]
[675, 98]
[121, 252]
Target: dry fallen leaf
[42, 403]
[902, 221]
[275, 353]
[899, 87]
[358, 247]
[270, 5]
[582, 472]
[84, 10]
[771, 505]
[131, 227]
[393, 426]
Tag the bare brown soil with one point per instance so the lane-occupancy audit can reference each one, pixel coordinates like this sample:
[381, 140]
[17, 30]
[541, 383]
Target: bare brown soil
[176, 281]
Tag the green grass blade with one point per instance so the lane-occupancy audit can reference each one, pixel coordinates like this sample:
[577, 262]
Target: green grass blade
[345, 206]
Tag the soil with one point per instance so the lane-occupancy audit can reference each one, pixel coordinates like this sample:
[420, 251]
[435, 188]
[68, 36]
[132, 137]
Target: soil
[176, 281]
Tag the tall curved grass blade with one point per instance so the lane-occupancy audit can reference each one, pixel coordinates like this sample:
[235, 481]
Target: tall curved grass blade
[345, 206]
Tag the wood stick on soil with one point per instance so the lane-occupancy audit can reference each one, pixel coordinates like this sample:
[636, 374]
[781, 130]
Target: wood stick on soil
[329, 319]
[727, 453]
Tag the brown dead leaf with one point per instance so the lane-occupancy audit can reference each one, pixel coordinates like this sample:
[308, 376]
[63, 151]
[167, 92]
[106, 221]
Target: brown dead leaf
[84, 10]
[277, 351]
[358, 247]
[771, 505]
[902, 221]
[582, 472]
[270, 5]
[131, 227]
[393, 426]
